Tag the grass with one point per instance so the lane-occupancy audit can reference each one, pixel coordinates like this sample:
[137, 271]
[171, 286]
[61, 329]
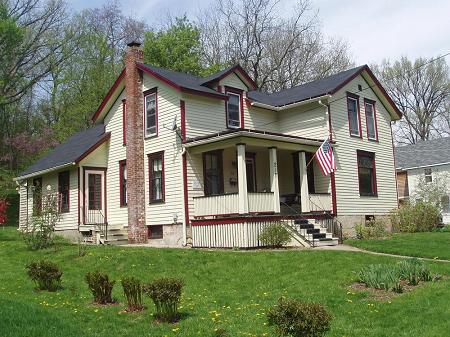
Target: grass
[224, 289]
[430, 245]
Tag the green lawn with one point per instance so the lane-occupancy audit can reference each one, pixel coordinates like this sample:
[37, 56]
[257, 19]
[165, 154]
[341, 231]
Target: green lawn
[430, 245]
[224, 289]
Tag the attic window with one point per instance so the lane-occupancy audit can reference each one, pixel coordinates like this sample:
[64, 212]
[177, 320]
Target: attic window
[151, 112]
[234, 114]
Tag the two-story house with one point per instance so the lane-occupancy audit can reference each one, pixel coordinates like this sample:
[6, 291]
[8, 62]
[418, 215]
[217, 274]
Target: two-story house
[175, 159]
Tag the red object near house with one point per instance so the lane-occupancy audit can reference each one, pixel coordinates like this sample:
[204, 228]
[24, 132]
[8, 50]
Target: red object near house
[3, 207]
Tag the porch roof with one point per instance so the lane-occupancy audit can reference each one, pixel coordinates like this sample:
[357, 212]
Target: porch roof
[239, 135]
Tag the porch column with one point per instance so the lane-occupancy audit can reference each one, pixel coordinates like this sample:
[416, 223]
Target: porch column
[242, 179]
[274, 187]
[304, 192]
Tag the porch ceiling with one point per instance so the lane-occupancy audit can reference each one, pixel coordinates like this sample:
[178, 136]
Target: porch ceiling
[252, 138]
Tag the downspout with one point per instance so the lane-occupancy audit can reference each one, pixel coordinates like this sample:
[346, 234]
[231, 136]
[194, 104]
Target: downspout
[183, 156]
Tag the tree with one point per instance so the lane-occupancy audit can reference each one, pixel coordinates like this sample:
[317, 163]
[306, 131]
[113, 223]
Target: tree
[176, 47]
[277, 52]
[421, 90]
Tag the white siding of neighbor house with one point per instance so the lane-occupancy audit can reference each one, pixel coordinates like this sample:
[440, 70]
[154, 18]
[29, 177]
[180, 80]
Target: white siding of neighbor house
[169, 142]
[117, 216]
[349, 202]
[414, 175]
[309, 121]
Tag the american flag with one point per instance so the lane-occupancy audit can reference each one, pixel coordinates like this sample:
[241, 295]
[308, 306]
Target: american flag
[325, 158]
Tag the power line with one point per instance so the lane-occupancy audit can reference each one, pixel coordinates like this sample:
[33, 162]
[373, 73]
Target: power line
[372, 86]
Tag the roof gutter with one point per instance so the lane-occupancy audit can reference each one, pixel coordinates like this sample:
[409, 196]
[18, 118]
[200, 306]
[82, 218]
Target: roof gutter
[38, 173]
[290, 106]
[420, 166]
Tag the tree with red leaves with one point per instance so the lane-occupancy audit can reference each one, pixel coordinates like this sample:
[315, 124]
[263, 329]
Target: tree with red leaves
[3, 207]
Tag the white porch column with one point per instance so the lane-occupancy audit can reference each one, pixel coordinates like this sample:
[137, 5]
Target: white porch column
[242, 179]
[304, 192]
[274, 187]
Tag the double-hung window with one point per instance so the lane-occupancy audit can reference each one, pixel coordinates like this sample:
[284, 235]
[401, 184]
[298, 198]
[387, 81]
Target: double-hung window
[63, 191]
[156, 177]
[151, 112]
[366, 173]
[37, 196]
[428, 175]
[371, 119]
[123, 182]
[234, 108]
[354, 120]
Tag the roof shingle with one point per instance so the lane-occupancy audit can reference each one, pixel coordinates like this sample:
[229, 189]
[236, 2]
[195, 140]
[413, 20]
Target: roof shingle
[423, 153]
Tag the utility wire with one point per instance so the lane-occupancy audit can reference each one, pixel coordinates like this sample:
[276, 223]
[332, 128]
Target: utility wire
[370, 86]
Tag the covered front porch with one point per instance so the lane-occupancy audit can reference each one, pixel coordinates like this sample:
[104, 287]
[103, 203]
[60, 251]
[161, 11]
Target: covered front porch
[249, 173]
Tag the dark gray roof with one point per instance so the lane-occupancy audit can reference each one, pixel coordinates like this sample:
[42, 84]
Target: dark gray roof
[69, 151]
[183, 80]
[423, 153]
[216, 75]
[305, 91]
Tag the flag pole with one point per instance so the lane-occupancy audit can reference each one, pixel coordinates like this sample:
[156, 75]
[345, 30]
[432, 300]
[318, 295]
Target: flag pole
[316, 152]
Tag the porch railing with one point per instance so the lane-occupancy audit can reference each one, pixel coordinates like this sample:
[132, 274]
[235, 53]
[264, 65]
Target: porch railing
[320, 202]
[95, 217]
[226, 204]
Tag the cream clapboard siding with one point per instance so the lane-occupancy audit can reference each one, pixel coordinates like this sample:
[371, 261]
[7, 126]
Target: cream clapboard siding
[195, 179]
[117, 216]
[67, 221]
[167, 141]
[309, 121]
[24, 204]
[349, 202]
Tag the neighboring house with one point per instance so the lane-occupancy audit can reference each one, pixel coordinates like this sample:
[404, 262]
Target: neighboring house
[177, 159]
[429, 160]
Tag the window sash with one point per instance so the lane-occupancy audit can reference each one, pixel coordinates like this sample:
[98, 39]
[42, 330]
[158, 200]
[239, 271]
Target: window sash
[370, 121]
[213, 173]
[428, 175]
[233, 110]
[150, 115]
[353, 116]
[156, 168]
[367, 174]
[64, 191]
[95, 191]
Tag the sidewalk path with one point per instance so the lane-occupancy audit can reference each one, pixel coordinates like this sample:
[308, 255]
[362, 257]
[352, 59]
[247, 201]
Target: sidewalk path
[347, 248]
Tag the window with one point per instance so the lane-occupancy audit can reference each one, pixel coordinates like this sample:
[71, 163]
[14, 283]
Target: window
[123, 182]
[37, 196]
[124, 122]
[428, 175]
[155, 232]
[371, 120]
[234, 108]
[367, 174]
[354, 120]
[63, 191]
[250, 165]
[213, 172]
[156, 177]
[151, 113]
[95, 191]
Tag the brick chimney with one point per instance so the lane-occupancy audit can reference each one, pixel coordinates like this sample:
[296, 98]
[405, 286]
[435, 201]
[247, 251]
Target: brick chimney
[137, 230]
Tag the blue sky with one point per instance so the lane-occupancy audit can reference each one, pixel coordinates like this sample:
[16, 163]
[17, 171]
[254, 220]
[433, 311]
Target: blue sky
[374, 29]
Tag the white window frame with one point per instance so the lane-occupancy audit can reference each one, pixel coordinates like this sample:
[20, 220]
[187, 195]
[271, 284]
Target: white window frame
[373, 121]
[230, 93]
[147, 133]
[358, 117]
[428, 173]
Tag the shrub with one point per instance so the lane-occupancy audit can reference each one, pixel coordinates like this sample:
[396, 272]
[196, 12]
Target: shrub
[166, 294]
[45, 274]
[372, 229]
[416, 217]
[299, 319]
[275, 235]
[100, 286]
[132, 289]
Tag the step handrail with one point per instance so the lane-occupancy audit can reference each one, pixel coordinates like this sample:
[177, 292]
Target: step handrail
[335, 221]
[298, 215]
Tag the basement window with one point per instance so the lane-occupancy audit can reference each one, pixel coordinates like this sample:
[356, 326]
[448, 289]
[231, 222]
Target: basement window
[155, 232]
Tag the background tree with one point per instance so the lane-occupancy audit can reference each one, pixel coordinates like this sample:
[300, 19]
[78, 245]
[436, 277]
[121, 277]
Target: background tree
[421, 90]
[277, 52]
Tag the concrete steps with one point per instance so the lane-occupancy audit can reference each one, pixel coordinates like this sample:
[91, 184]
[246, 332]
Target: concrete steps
[310, 233]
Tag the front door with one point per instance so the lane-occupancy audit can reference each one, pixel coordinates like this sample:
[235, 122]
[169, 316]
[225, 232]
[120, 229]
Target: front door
[94, 207]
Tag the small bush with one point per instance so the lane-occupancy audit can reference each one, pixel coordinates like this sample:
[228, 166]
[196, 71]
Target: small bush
[275, 235]
[100, 286]
[299, 319]
[45, 274]
[166, 294]
[132, 289]
[417, 217]
[373, 229]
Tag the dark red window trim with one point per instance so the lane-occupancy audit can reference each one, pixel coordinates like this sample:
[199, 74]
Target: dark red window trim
[151, 157]
[65, 175]
[122, 167]
[183, 120]
[355, 97]
[361, 153]
[124, 122]
[147, 93]
[219, 153]
[241, 107]
[371, 102]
